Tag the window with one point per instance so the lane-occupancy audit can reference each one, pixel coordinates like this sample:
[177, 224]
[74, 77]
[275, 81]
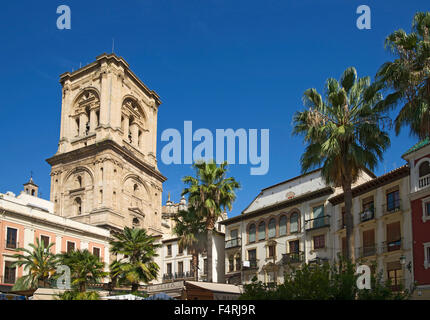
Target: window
[180, 267]
[271, 251]
[234, 238]
[394, 238]
[318, 215]
[230, 264]
[9, 273]
[251, 233]
[169, 249]
[96, 252]
[319, 242]
[11, 238]
[272, 228]
[294, 223]
[252, 257]
[70, 246]
[283, 226]
[238, 263]
[180, 249]
[205, 266]
[261, 231]
[427, 256]
[393, 200]
[44, 240]
[424, 169]
[78, 206]
[394, 274]
[169, 268]
[294, 246]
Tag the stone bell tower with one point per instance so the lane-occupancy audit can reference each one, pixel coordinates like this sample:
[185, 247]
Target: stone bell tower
[105, 170]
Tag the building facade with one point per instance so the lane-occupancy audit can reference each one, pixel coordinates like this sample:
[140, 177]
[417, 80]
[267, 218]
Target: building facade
[285, 225]
[382, 231]
[418, 158]
[26, 218]
[105, 170]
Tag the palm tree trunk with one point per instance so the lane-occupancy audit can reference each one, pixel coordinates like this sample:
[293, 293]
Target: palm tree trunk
[209, 256]
[350, 254]
[134, 287]
[196, 265]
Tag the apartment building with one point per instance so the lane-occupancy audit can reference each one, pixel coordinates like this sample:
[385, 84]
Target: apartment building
[382, 232]
[285, 225]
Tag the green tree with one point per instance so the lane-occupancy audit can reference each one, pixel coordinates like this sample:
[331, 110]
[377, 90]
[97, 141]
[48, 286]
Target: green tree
[190, 228]
[39, 264]
[139, 251]
[85, 268]
[408, 76]
[343, 134]
[210, 193]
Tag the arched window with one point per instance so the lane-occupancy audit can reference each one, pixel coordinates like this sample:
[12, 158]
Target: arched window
[272, 228]
[78, 206]
[262, 231]
[424, 169]
[294, 222]
[251, 233]
[283, 226]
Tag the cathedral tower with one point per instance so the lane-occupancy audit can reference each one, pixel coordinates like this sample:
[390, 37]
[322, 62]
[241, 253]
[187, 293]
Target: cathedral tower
[105, 170]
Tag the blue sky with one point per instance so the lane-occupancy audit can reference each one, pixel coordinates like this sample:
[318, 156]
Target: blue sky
[220, 63]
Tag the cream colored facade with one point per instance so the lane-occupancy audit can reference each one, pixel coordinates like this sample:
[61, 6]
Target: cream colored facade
[105, 170]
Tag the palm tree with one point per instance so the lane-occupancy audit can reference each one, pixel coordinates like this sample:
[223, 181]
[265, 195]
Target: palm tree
[210, 193]
[85, 268]
[190, 228]
[40, 263]
[343, 134]
[139, 251]
[408, 76]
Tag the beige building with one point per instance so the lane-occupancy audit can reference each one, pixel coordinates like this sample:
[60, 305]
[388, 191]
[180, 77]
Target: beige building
[105, 170]
[25, 218]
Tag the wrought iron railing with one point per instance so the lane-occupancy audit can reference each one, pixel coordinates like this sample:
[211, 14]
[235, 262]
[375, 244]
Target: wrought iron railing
[293, 257]
[367, 214]
[317, 223]
[392, 207]
[178, 275]
[389, 246]
[233, 243]
[368, 251]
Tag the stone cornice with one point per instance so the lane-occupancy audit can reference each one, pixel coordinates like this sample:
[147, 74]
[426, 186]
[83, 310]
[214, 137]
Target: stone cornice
[96, 148]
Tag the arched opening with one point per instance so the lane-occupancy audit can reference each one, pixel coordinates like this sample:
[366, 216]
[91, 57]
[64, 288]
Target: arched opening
[262, 231]
[294, 223]
[78, 206]
[283, 226]
[424, 169]
[251, 233]
[272, 228]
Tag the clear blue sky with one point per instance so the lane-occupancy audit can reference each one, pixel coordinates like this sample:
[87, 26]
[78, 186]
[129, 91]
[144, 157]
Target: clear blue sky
[220, 63]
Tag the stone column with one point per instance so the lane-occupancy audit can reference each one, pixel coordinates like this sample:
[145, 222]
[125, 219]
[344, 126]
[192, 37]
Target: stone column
[82, 124]
[126, 128]
[141, 140]
[134, 133]
[93, 120]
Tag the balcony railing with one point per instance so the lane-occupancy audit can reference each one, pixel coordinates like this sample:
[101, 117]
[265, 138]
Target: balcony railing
[253, 263]
[392, 207]
[389, 246]
[178, 275]
[424, 181]
[233, 243]
[293, 257]
[317, 223]
[368, 251]
[367, 215]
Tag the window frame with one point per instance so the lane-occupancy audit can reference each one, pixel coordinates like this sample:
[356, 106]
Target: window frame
[67, 245]
[319, 237]
[16, 244]
[425, 202]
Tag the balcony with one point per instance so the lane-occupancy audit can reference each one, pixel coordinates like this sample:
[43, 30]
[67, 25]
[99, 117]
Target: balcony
[252, 264]
[233, 243]
[317, 223]
[367, 251]
[392, 207]
[178, 276]
[293, 257]
[367, 215]
[392, 245]
[424, 182]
